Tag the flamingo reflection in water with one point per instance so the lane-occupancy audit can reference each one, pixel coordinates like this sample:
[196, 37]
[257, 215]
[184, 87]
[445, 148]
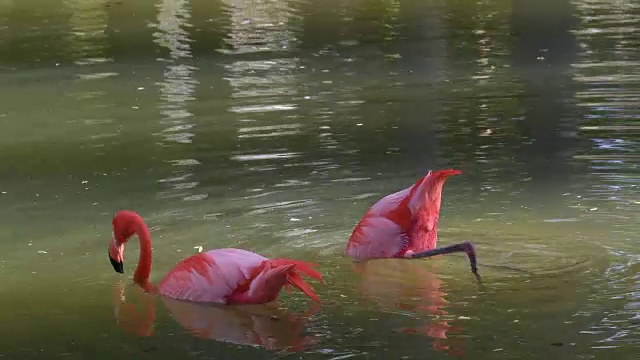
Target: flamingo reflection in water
[262, 325]
[407, 286]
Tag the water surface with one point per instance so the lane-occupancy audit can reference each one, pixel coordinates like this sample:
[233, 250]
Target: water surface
[274, 125]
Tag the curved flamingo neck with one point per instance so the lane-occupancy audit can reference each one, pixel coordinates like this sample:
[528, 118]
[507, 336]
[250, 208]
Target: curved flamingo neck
[141, 276]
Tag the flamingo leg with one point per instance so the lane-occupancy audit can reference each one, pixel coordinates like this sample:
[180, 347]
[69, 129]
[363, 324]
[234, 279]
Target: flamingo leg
[466, 247]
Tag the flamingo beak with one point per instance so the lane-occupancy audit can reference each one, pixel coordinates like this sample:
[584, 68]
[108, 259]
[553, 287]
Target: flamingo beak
[115, 254]
[118, 266]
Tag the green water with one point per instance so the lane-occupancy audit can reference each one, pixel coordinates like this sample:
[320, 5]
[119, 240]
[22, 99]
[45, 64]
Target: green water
[274, 125]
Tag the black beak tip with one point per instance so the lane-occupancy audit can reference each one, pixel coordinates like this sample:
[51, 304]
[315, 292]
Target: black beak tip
[118, 266]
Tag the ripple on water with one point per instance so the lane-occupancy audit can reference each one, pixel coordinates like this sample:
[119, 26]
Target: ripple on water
[267, 207]
[269, 131]
[609, 95]
[523, 249]
[263, 108]
[251, 157]
[97, 76]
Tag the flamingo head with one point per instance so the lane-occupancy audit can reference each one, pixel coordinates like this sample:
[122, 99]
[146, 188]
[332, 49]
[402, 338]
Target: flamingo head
[124, 225]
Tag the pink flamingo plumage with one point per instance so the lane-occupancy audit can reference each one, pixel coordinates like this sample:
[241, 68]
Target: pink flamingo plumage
[224, 276]
[404, 224]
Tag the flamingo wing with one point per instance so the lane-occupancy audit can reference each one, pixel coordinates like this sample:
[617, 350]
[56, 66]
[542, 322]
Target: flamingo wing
[389, 202]
[210, 276]
[382, 231]
[376, 237]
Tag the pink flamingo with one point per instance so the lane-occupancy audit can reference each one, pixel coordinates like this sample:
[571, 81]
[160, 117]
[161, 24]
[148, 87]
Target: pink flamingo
[224, 276]
[404, 224]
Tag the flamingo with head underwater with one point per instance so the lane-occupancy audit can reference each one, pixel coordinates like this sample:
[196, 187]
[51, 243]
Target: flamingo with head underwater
[404, 224]
[224, 276]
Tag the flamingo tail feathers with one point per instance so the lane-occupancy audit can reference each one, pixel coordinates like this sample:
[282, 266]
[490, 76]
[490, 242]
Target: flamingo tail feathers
[432, 181]
[427, 191]
[296, 269]
[438, 177]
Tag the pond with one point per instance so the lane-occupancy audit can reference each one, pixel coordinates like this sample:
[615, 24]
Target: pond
[273, 125]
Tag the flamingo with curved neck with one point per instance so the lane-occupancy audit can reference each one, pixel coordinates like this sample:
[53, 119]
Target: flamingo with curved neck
[226, 276]
[405, 224]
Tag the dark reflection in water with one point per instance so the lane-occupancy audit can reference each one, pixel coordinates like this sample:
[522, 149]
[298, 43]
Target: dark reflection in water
[89, 24]
[209, 28]
[129, 34]
[47, 22]
[543, 53]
